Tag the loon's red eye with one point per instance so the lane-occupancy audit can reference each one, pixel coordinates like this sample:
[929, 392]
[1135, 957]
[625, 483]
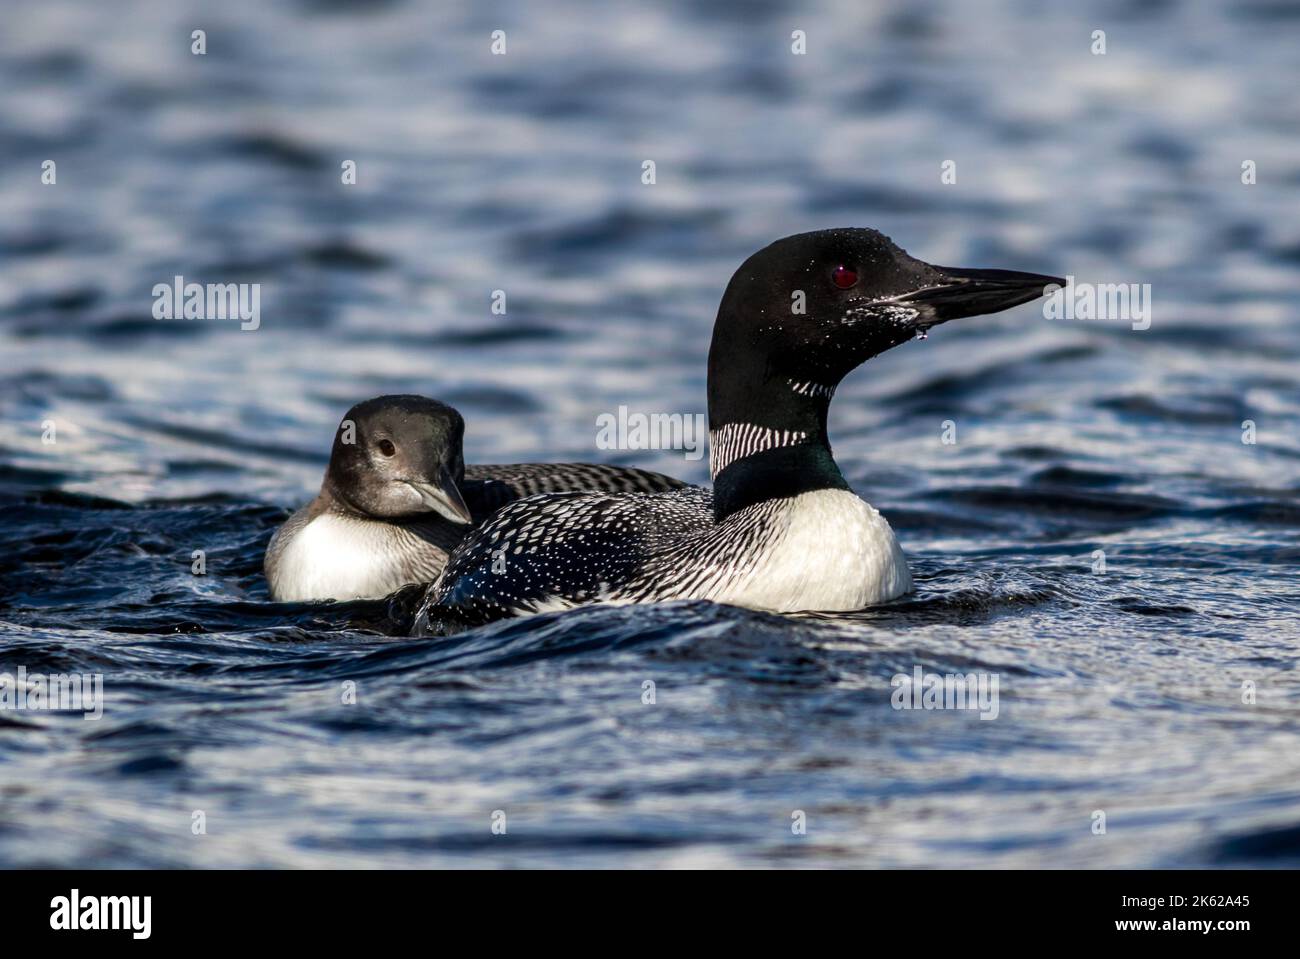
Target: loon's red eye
[843, 277]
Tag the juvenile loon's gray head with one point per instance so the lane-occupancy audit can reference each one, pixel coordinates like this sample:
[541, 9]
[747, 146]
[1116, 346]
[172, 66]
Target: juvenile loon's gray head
[399, 456]
[806, 310]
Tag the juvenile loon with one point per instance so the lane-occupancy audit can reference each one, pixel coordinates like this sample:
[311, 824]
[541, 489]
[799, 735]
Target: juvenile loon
[781, 529]
[397, 498]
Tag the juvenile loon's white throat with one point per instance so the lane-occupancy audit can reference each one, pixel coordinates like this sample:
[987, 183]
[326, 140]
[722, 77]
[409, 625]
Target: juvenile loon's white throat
[343, 557]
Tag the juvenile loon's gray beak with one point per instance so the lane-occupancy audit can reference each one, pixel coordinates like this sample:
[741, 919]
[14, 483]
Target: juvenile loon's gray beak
[960, 292]
[443, 497]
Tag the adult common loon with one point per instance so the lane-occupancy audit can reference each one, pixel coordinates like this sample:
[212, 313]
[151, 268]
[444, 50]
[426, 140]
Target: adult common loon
[397, 498]
[781, 530]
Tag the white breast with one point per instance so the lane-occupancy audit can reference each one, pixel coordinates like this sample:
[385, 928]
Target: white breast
[824, 550]
[334, 557]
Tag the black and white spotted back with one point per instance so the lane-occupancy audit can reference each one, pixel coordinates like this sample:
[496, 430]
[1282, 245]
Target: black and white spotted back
[557, 550]
[529, 479]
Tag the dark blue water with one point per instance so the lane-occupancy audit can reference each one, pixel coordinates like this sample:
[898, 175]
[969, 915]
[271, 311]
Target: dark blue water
[1121, 692]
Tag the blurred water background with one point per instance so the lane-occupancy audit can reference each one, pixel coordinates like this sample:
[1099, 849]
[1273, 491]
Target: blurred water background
[1121, 691]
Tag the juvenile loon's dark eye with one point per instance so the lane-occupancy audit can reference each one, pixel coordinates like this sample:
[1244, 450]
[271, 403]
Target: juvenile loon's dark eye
[386, 447]
[844, 277]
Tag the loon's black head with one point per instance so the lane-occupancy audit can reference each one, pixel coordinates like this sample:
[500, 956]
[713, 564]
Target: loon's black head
[811, 307]
[400, 456]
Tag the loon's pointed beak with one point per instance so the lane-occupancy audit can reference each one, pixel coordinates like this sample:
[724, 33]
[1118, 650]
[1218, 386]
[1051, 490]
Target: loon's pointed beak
[443, 497]
[959, 292]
